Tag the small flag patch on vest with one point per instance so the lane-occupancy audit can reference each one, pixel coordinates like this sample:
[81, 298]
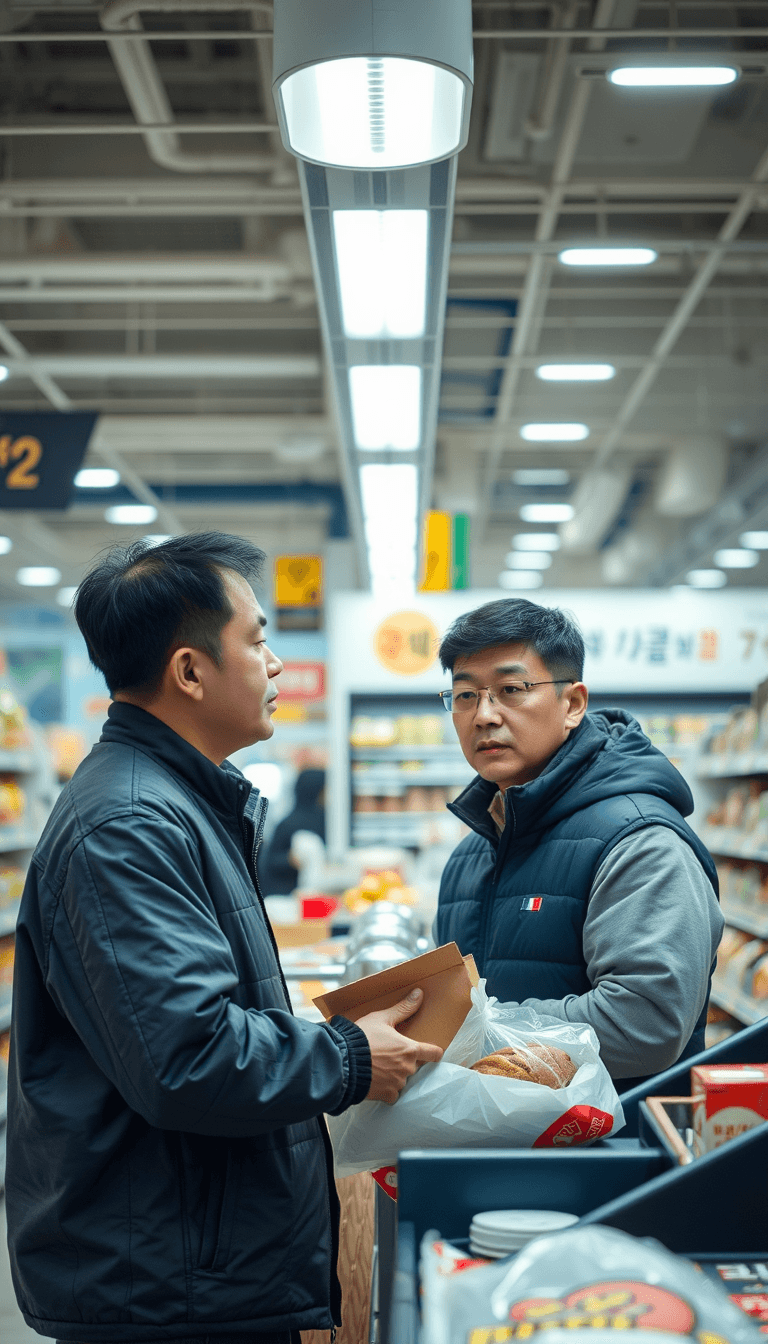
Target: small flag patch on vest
[532, 903]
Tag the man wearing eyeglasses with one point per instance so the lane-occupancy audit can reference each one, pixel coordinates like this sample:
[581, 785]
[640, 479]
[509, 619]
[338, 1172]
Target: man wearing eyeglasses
[581, 890]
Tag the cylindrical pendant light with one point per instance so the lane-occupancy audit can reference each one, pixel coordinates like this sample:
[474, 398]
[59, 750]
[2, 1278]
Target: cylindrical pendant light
[373, 84]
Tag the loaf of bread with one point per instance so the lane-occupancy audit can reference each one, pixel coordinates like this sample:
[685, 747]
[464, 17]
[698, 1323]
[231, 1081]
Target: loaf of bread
[535, 1063]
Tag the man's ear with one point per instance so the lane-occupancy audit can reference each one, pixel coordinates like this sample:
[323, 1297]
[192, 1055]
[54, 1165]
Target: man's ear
[578, 699]
[183, 673]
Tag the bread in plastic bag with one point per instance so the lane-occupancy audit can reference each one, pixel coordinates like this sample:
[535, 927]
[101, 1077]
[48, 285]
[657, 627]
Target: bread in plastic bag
[585, 1285]
[449, 1105]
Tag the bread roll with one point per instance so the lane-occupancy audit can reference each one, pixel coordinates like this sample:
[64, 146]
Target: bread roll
[534, 1063]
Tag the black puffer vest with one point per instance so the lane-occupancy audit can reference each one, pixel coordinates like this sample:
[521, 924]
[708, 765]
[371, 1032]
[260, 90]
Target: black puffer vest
[606, 782]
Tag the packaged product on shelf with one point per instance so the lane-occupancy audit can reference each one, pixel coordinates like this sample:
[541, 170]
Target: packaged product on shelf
[6, 963]
[732, 941]
[11, 886]
[728, 1099]
[745, 884]
[522, 1100]
[760, 978]
[366, 731]
[14, 729]
[736, 801]
[431, 728]
[407, 726]
[744, 730]
[416, 798]
[13, 801]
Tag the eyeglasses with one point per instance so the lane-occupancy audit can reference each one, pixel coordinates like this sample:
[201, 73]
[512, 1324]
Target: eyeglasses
[512, 692]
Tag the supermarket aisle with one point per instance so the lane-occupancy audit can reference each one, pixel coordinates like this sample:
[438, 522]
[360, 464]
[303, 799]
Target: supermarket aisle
[13, 1328]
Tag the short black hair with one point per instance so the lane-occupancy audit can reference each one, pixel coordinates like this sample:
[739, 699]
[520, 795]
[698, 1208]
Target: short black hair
[551, 633]
[140, 602]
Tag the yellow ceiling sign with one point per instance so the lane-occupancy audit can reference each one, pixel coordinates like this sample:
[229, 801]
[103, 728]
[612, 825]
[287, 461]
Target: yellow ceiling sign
[298, 581]
[406, 643]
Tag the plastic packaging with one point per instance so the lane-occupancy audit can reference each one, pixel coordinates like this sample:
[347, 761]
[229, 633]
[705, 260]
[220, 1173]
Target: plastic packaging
[448, 1105]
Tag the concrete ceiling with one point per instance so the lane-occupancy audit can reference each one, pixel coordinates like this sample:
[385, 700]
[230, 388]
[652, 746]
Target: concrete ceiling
[162, 277]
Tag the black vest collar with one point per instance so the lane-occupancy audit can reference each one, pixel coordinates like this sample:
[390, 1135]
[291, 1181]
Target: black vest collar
[223, 787]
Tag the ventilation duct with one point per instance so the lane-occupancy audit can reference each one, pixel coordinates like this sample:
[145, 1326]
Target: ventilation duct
[692, 478]
[597, 503]
[635, 551]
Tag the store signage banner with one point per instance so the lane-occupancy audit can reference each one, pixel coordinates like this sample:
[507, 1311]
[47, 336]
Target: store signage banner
[40, 451]
[642, 641]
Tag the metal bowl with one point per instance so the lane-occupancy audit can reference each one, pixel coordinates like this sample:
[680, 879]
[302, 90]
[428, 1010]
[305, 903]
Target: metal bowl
[374, 957]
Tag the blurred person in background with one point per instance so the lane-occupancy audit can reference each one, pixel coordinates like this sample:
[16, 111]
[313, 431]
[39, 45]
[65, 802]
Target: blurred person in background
[169, 1172]
[581, 891]
[278, 871]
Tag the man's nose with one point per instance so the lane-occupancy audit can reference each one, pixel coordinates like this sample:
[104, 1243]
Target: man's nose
[487, 710]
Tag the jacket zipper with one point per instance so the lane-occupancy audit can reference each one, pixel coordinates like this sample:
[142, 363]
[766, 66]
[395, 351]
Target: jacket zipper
[500, 856]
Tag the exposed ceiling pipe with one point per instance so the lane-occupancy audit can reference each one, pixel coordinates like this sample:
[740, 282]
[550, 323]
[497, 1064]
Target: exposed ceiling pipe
[274, 273]
[146, 94]
[597, 503]
[540, 124]
[200, 367]
[692, 478]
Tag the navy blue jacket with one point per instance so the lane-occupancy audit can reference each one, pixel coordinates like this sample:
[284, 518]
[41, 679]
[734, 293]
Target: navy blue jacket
[605, 782]
[169, 1171]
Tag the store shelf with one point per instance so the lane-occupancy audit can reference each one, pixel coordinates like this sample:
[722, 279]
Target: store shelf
[730, 765]
[414, 753]
[734, 1001]
[8, 919]
[15, 837]
[392, 818]
[749, 920]
[21, 761]
[732, 844]
[368, 781]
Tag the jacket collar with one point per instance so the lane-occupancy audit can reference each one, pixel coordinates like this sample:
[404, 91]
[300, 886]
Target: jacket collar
[224, 787]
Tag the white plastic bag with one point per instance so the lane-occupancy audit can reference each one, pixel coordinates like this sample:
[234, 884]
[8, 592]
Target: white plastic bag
[448, 1105]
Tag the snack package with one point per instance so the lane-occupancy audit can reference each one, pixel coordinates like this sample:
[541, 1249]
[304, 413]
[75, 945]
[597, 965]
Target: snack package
[728, 1099]
[582, 1284]
[451, 1105]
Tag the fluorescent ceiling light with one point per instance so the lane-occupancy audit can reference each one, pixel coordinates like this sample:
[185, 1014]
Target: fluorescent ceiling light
[706, 578]
[131, 513]
[97, 478]
[386, 406]
[541, 476]
[546, 513]
[756, 541]
[373, 112]
[528, 560]
[607, 256]
[6, 545]
[575, 373]
[554, 433]
[536, 541]
[520, 578]
[66, 596]
[157, 538]
[389, 499]
[672, 76]
[736, 559]
[382, 264]
[4, 371]
[38, 576]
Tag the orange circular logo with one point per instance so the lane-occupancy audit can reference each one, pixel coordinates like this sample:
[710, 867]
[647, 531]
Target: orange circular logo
[406, 643]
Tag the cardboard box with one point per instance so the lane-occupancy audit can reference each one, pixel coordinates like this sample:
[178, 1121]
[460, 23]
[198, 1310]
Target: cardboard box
[302, 934]
[728, 1099]
[446, 978]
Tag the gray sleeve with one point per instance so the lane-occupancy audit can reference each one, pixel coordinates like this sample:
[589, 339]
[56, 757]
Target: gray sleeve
[652, 930]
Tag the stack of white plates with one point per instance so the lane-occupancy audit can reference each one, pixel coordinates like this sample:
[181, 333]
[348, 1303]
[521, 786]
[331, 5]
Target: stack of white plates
[502, 1232]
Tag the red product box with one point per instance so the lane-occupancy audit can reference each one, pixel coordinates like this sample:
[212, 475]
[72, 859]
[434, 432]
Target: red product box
[728, 1099]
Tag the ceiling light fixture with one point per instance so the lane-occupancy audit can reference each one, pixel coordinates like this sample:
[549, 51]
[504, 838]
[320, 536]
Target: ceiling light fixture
[706, 578]
[672, 76]
[575, 373]
[389, 500]
[528, 560]
[536, 541]
[4, 371]
[546, 513]
[741, 558]
[364, 86]
[66, 596]
[520, 578]
[97, 478]
[6, 545]
[131, 514]
[755, 541]
[386, 406]
[381, 256]
[38, 576]
[538, 476]
[554, 433]
[607, 256]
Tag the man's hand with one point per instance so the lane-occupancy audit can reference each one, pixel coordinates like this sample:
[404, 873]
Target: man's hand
[394, 1058]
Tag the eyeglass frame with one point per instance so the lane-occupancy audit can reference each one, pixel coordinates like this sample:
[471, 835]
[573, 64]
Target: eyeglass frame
[527, 686]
